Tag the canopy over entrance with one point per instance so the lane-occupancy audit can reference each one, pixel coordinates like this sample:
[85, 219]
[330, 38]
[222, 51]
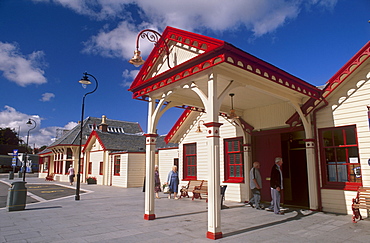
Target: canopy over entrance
[198, 72]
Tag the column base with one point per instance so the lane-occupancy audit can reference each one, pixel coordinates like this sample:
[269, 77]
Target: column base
[149, 216]
[214, 236]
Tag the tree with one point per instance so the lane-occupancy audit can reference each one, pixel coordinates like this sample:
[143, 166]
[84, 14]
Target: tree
[9, 136]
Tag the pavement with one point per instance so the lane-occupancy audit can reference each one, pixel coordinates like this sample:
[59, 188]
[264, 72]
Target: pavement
[115, 214]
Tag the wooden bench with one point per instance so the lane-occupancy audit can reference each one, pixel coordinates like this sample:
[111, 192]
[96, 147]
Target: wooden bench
[50, 177]
[189, 187]
[361, 201]
[198, 191]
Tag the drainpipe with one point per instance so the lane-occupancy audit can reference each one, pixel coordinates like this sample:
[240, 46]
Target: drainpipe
[317, 154]
[111, 169]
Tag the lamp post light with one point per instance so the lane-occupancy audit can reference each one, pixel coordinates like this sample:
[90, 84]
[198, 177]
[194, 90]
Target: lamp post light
[84, 81]
[152, 36]
[25, 160]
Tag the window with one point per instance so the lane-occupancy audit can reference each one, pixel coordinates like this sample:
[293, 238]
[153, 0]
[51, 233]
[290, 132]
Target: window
[68, 164]
[101, 167]
[69, 153]
[340, 158]
[190, 162]
[90, 168]
[45, 167]
[234, 163]
[117, 164]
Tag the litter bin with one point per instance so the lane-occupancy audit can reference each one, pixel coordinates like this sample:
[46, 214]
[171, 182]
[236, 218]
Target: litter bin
[11, 175]
[17, 196]
[19, 174]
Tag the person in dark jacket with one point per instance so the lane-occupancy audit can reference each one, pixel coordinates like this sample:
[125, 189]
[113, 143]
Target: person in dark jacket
[276, 184]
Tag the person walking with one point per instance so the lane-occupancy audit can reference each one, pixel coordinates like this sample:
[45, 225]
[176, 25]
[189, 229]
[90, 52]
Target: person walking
[71, 173]
[173, 182]
[157, 182]
[255, 183]
[276, 184]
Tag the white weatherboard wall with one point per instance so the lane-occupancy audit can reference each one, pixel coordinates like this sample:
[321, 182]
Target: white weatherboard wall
[271, 116]
[235, 191]
[136, 169]
[165, 162]
[348, 106]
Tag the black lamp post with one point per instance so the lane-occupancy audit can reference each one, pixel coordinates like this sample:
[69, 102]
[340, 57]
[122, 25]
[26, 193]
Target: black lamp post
[84, 81]
[25, 160]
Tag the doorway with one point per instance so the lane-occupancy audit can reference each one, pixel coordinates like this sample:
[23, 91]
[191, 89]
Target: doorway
[291, 147]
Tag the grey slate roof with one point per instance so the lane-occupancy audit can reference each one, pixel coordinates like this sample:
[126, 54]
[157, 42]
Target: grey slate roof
[72, 137]
[133, 140]
[122, 141]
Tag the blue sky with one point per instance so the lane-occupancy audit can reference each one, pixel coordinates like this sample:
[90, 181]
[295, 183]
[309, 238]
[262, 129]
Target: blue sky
[46, 45]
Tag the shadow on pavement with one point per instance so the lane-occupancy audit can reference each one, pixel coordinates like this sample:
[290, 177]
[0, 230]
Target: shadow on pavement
[299, 216]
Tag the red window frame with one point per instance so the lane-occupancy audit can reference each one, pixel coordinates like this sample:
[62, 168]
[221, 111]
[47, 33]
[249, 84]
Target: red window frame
[117, 165]
[338, 153]
[234, 160]
[190, 161]
[101, 167]
[89, 170]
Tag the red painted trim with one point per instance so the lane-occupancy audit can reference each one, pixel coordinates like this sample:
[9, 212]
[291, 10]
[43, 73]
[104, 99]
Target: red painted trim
[246, 126]
[92, 134]
[149, 216]
[171, 34]
[151, 135]
[216, 52]
[214, 236]
[360, 57]
[177, 125]
[309, 140]
[334, 82]
[213, 124]
[168, 148]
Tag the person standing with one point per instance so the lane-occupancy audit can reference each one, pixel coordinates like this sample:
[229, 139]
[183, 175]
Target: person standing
[157, 182]
[173, 182]
[276, 184]
[255, 183]
[71, 173]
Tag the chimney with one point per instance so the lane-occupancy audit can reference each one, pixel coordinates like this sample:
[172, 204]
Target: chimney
[103, 125]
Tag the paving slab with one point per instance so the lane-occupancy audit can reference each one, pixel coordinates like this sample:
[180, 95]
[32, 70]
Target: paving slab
[115, 214]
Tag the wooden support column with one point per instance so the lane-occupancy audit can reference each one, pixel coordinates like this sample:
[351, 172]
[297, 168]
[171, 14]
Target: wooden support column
[150, 144]
[213, 143]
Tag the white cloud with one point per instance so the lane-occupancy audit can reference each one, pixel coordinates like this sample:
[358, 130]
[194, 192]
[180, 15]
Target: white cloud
[128, 77]
[10, 117]
[260, 17]
[47, 97]
[23, 70]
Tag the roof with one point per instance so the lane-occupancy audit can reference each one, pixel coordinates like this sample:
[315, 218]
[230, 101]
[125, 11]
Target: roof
[72, 137]
[199, 53]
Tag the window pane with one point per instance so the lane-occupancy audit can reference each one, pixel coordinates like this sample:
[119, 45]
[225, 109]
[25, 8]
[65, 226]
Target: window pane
[332, 171]
[237, 159]
[232, 171]
[232, 160]
[353, 152]
[236, 146]
[327, 136]
[229, 146]
[238, 170]
[350, 136]
[329, 155]
[342, 173]
[338, 137]
[341, 155]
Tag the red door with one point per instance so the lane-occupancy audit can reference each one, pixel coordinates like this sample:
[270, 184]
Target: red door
[265, 149]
